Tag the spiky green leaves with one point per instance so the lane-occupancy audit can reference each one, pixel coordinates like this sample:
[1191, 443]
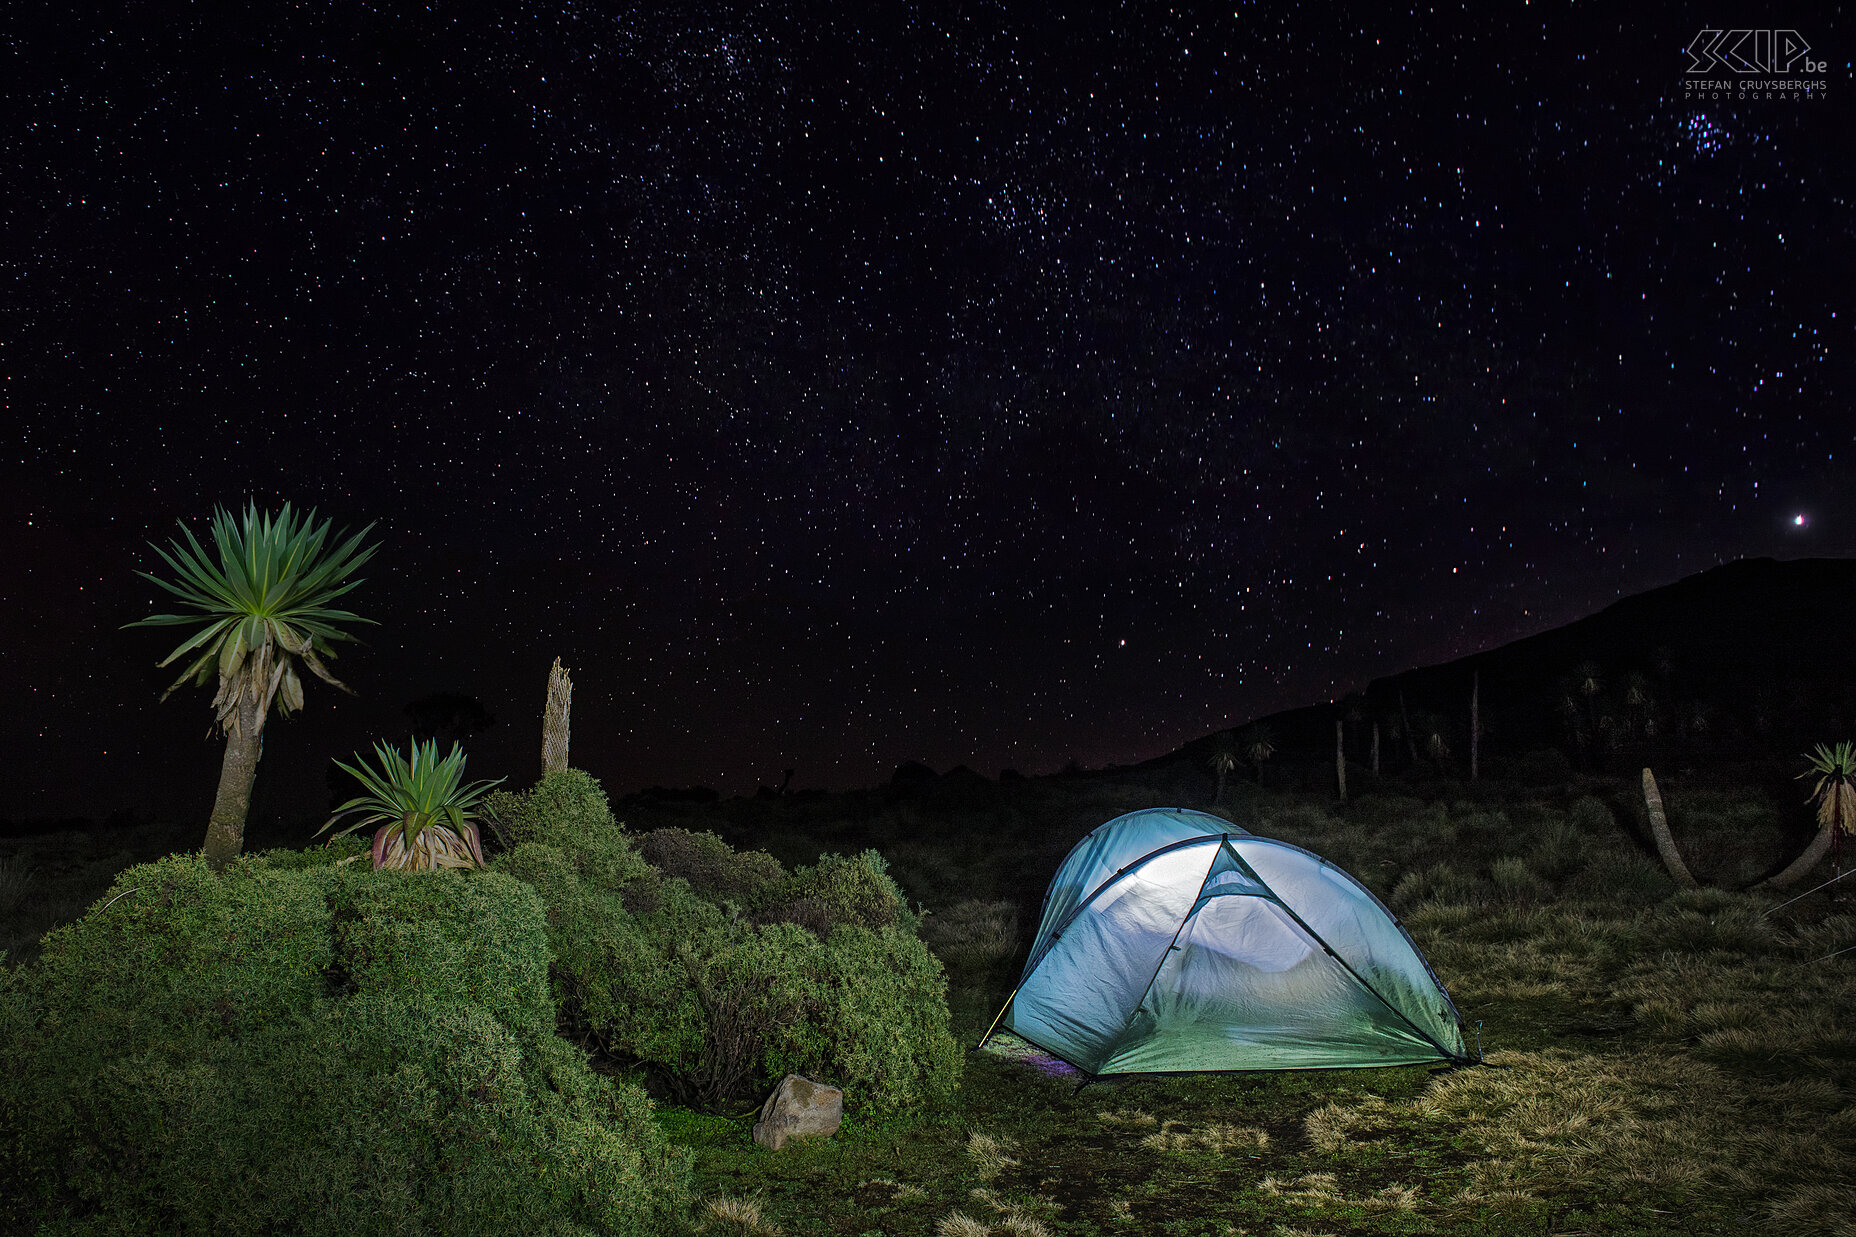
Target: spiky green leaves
[406, 797]
[263, 600]
[1835, 792]
[1224, 754]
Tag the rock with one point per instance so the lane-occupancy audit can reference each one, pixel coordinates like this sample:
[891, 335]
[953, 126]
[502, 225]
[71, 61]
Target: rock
[798, 1108]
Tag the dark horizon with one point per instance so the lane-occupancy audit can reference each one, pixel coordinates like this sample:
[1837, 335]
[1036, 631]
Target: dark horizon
[952, 386]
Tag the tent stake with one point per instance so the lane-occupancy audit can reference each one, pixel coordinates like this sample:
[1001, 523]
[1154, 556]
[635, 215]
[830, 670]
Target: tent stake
[995, 1021]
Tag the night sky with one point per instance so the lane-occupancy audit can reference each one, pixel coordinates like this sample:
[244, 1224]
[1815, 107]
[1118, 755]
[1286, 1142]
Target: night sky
[837, 385]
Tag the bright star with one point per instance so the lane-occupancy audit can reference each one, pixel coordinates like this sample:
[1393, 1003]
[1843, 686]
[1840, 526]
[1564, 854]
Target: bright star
[1799, 521]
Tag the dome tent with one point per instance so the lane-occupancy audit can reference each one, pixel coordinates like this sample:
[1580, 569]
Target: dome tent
[1171, 940]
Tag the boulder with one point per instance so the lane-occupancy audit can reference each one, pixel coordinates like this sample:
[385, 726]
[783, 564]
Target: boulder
[798, 1108]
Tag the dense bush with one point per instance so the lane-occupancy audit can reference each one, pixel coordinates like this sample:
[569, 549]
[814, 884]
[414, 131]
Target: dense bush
[709, 864]
[312, 1049]
[731, 972]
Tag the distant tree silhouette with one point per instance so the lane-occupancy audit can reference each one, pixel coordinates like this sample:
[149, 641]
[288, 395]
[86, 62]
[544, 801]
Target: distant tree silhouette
[1589, 681]
[1639, 703]
[1258, 744]
[1223, 760]
[447, 718]
[1431, 734]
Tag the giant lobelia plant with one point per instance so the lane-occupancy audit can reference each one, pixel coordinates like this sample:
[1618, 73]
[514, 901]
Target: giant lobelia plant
[1834, 796]
[261, 602]
[425, 811]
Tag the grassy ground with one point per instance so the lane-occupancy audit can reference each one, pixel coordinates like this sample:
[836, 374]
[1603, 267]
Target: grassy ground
[1657, 1061]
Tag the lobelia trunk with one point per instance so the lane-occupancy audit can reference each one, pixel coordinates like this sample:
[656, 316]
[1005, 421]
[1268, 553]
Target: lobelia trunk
[1375, 747]
[1813, 853]
[225, 829]
[1659, 830]
[1340, 758]
[1475, 720]
[554, 719]
[1411, 744]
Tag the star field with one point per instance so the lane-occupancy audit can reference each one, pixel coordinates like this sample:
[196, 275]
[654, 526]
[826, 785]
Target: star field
[944, 382]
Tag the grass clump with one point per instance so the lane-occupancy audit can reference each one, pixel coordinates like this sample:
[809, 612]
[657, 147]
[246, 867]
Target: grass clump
[988, 1153]
[737, 1217]
[973, 936]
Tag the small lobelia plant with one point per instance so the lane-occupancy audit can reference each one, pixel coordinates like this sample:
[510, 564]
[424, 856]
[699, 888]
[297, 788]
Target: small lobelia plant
[1834, 795]
[1258, 744]
[425, 811]
[1223, 760]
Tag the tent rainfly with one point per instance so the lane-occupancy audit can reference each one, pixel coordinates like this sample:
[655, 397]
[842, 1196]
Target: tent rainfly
[1173, 941]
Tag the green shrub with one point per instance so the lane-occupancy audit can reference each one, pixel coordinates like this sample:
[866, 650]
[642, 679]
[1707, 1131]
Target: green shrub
[566, 805]
[721, 989]
[313, 1050]
[189, 957]
[331, 854]
[480, 941]
[838, 890]
[711, 867]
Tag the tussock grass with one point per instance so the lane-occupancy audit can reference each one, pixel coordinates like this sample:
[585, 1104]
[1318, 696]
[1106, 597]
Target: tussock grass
[1308, 1188]
[16, 881]
[960, 1224]
[988, 1154]
[1131, 1118]
[1318, 1190]
[1394, 1197]
[973, 936]
[901, 1191]
[737, 1217]
[1009, 1218]
[1218, 1138]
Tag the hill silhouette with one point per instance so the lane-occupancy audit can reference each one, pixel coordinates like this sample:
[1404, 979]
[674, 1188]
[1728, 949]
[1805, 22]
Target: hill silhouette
[1748, 662]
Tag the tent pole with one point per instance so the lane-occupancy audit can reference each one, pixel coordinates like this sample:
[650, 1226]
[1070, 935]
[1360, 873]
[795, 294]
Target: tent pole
[995, 1021]
[1372, 991]
[1224, 844]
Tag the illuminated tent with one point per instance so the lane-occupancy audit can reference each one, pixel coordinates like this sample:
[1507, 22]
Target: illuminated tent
[1172, 940]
